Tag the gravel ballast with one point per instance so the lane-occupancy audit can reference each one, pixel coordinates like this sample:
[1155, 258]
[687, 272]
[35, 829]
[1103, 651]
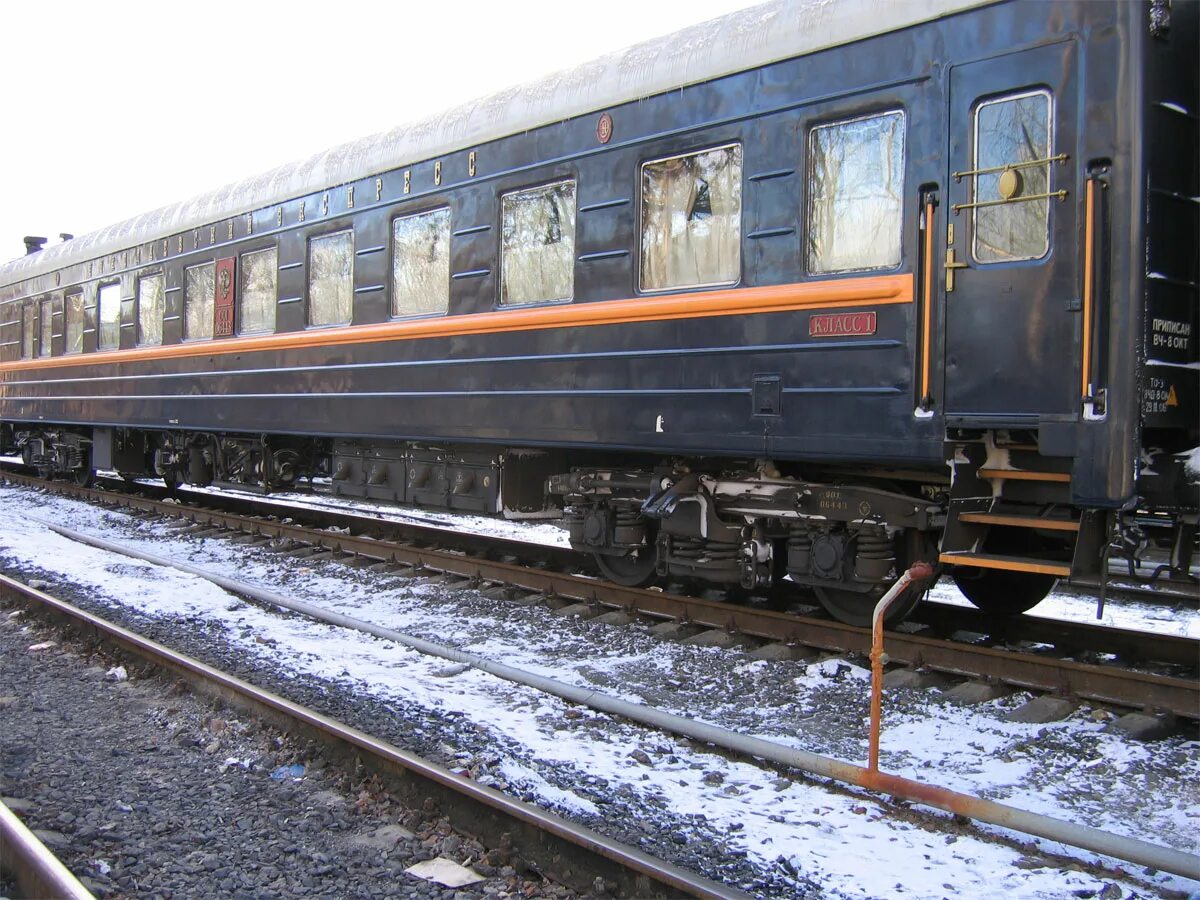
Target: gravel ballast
[766, 831]
[144, 789]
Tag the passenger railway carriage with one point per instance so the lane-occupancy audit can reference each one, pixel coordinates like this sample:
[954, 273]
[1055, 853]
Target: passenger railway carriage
[808, 291]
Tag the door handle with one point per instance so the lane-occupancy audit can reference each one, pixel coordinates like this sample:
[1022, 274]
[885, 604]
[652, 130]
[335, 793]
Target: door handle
[950, 265]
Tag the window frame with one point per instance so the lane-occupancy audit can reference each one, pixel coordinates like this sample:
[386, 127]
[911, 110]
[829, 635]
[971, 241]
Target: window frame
[240, 275]
[100, 286]
[809, 195]
[67, 296]
[137, 306]
[974, 191]
[499, 304]
[308, 244]
[29, 328]
[45, 322]
[212, 304]
[641, 219]
[391, 274]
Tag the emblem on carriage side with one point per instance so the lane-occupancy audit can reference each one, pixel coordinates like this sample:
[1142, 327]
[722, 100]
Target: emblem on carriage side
[225, 292]
[604, 128]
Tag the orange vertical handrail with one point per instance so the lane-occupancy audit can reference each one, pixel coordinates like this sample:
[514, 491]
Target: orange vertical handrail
[927, 303]
[1089, 229]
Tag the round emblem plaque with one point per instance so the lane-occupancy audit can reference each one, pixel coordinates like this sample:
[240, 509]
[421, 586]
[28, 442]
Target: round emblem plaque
[604, 128]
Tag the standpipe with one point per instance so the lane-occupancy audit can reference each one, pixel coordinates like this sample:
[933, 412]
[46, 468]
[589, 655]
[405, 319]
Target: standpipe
[920, 571]
[1143, 853]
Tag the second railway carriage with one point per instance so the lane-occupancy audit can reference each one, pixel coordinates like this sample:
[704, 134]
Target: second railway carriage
[808, 291]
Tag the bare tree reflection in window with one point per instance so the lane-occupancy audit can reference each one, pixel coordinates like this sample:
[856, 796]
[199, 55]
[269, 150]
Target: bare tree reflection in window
[110, 316]
[150, 310]
[331, 279]
[50, 307]
[198, 296]
[691, 219]
[421, 264]
[257, 277]
[28, 334]
[74, 323]
[1007, 131]
[537, 260]
[856, 194]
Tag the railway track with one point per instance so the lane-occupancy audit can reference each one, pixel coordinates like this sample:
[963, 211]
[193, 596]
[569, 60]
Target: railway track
[563, 851]
[1023, 660]
[34, 869]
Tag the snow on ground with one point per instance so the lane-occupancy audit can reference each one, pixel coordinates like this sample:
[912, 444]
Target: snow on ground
[530, 531]
[847, 841]
[1164, 618]
[1136, 615]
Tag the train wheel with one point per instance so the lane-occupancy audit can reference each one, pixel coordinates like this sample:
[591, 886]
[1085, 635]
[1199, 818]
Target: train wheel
[634, 569]
[1003, 593]
[856, 608]
[83, 477]
[172, 479]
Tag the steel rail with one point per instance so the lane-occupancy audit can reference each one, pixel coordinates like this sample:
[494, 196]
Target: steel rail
[1022, 670]
[37, 871]
[568, 852]
[1129, 849]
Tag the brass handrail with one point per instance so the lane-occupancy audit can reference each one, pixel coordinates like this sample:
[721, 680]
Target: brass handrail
[1061, 195]
[1027, 164]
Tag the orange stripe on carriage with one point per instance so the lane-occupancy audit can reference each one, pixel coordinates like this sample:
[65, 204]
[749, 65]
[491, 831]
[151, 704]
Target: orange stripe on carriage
[878, 290]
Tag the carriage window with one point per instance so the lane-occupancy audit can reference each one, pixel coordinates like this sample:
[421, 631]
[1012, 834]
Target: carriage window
[856, 192]
[199, 289]
[421, 264]
[1008, 132]
[150, 310]
[74, 325]
[50, 306]
[110, 316]
[331, 279]
[28, 334]
[258, 272]
[692, 219]
[537, 257]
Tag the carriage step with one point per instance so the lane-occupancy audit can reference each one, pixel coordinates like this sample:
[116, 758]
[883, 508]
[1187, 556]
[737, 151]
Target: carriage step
[1024, 475]
[1015, 521]
[1008, 563]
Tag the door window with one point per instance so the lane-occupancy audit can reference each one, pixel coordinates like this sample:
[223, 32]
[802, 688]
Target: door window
[1012, 178]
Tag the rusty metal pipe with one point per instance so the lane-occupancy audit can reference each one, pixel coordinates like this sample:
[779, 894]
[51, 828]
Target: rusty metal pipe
[919, 571]
[1129, 849]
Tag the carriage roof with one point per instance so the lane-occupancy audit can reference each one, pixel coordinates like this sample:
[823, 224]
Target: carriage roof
[735, 42]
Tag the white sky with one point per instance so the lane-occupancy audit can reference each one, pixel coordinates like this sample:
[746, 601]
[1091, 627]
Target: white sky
[110, 109]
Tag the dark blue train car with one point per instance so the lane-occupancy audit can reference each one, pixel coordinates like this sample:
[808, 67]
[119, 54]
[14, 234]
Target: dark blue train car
[809, 291]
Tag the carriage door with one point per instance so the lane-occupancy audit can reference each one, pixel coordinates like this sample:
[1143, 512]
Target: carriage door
[1008, 254]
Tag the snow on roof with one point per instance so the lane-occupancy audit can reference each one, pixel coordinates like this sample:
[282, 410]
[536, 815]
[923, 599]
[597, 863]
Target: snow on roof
[731, 43]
